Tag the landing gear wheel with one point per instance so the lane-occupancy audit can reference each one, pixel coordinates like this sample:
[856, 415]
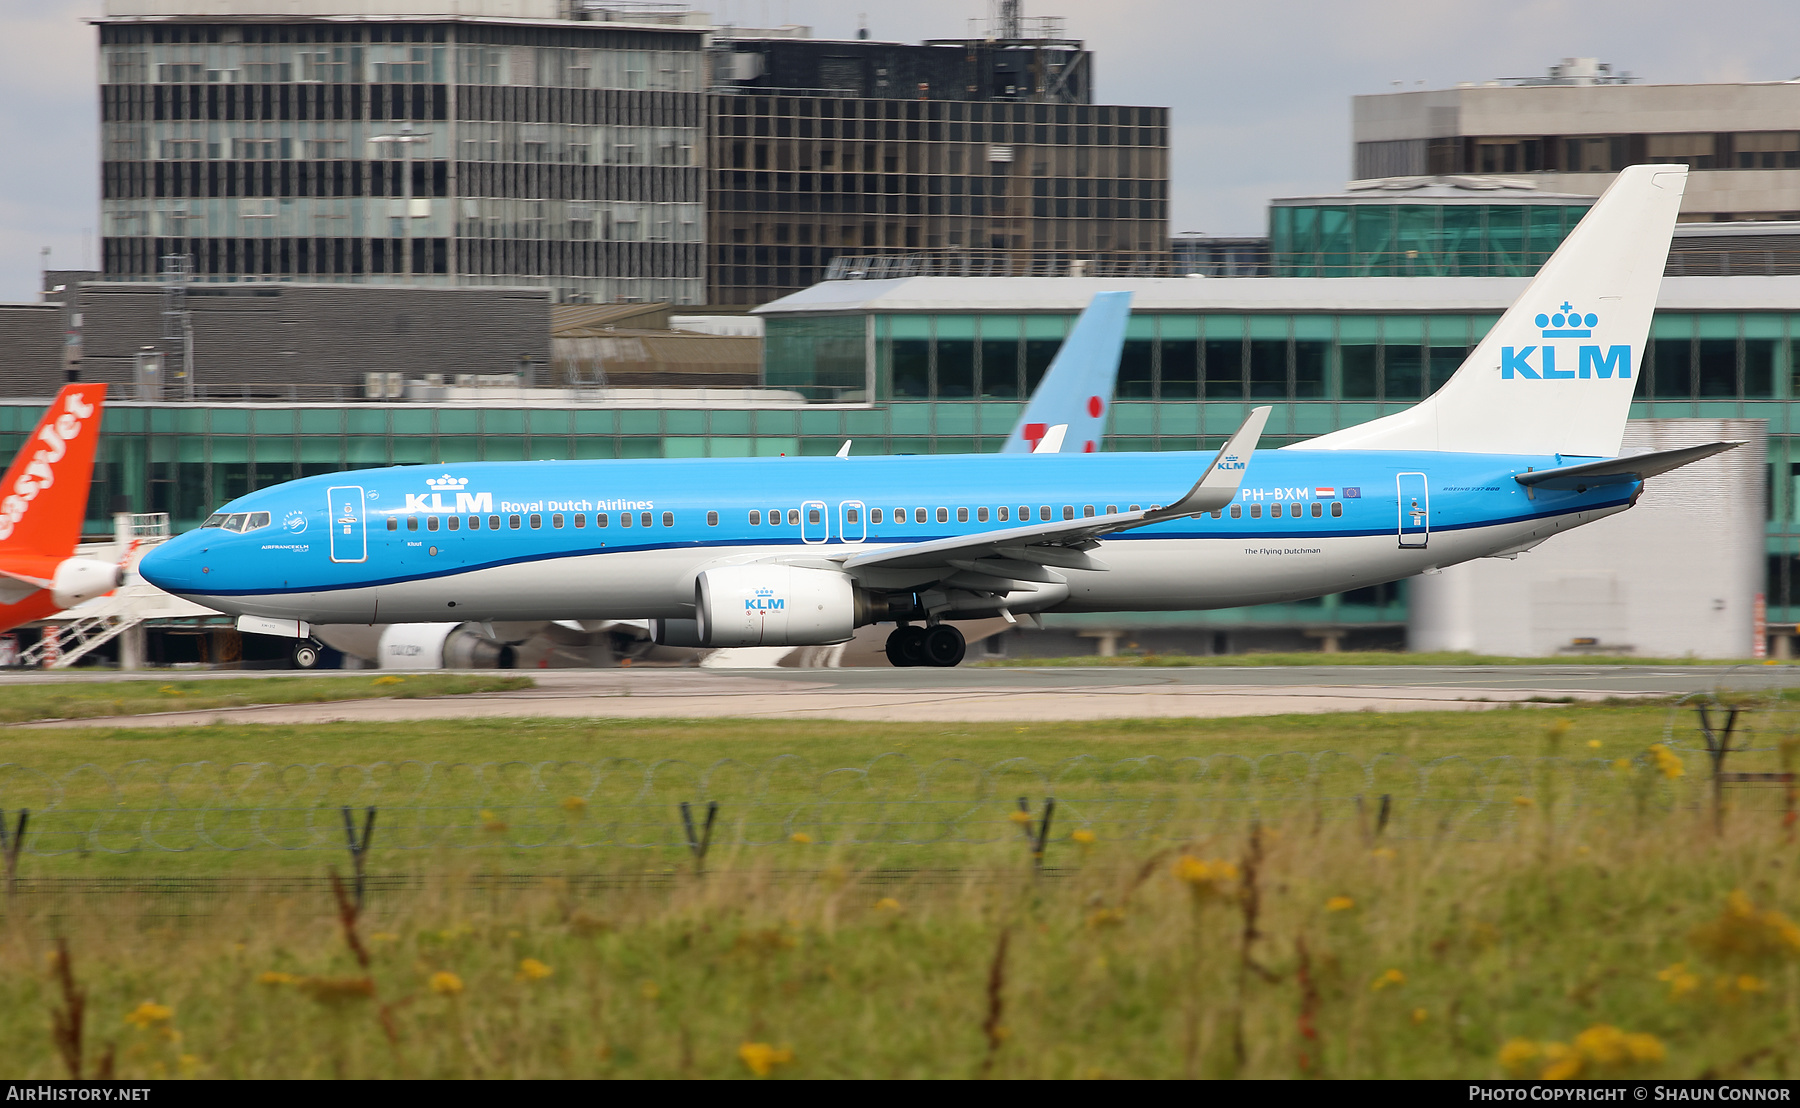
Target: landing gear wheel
[305, 656]
[944, 646]
[906, 647]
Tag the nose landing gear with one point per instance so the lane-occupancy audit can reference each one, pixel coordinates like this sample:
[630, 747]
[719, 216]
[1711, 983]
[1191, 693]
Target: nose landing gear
[942, 646]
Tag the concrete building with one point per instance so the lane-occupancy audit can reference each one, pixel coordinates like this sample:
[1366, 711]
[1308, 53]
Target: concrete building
[1574, 128]
[462, 142]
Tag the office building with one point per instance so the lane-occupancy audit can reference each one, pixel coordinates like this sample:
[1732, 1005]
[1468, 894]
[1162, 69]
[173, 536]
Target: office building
[501, 145]
[1572, 129]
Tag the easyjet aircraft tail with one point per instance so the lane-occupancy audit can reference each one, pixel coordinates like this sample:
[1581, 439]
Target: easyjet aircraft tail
[43, 499]
[1556, 374]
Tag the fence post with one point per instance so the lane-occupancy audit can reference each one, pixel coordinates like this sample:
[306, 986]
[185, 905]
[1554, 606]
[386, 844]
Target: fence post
[1381, 817]
[699, 844]
[1718, 745]
[10, 847]
[359, 851]
[1039, 836]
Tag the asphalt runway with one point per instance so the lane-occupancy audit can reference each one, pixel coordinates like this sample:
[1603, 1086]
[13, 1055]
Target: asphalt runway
[988, 694]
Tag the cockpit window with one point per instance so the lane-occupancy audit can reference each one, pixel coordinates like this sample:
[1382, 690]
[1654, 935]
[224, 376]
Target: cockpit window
[257, 520]
[217, 519]
[235, 521]
[238, 522]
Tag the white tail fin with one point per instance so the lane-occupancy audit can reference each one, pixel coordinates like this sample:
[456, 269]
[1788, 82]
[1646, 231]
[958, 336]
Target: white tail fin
[1556, 374]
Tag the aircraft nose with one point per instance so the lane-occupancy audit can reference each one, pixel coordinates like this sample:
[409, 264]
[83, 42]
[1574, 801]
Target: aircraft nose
[171, 566]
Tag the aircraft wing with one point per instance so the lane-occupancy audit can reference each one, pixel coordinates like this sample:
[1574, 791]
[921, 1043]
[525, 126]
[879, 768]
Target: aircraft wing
[1620, 471]
[997, 561]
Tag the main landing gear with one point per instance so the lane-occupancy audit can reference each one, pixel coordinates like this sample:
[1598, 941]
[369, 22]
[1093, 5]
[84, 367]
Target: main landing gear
[941, 645]
[305, 654]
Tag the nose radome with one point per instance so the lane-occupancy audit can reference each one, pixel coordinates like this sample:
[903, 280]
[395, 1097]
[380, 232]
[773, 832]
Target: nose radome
[162, 567]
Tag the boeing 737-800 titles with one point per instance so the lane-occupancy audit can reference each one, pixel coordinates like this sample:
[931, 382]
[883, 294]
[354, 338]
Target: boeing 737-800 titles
[1518, 446]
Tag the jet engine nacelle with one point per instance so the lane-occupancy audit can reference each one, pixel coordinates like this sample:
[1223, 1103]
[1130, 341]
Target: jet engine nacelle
[774, 605]
[442, 646]
[82, 579]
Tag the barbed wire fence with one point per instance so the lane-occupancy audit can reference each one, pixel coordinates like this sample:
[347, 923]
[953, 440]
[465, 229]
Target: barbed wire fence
[892, 800]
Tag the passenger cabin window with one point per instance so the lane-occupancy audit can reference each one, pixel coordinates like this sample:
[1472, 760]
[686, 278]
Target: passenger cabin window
[1318, 510]
[812, 515]
[1337, 508]
[1113, 510]
[493, 523]
[1024, 513]
[919, 515]
[645, 519]
[1087, 511]
[431, 523]
[874, 515]
[454, 522]
[943, 515]
[1256, 511]
[537, 521]
[1134, 507]
[556, 520]
[793, 517]
[712, 519]
[774, 517]
[1237, 511]
[962, 515]
[981, 515]
[1003, 513]
[393, 524]
[474, 523]
[668, 519]
[1216, 513]
[851, 515]
[755, 518]
[1068, 511]
[580, 520]
[899, 515]
[601, 519]
[624, 519]
[512, 522]
[1044, 511]
[412, 523]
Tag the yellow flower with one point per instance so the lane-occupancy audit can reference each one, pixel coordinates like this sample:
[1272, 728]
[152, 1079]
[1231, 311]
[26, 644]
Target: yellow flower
[1420, 1015]
[1622, 764]
[1746, 936]
[1392, 979]
[1020, 818]
[149, 1014]
[1593, 744]
[445, 983]
[533, 970]
[1680, 981]
[1668, 763]
[648, 990]
[761, 1058]
[171, 690]
[1339, 904]
[574, 805]
[390, 679]
[1083, 836]
[887, 904]
[800, 837]
[1205, 878]
[276, 977]
[1518, 1055]
[1524, 801]
[1748, 983]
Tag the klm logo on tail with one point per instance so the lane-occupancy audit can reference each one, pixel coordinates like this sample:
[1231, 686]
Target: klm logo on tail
[1591, 361]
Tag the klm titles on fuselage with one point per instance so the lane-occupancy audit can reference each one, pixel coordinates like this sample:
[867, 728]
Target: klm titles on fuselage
[467, 503]
[1591, 361]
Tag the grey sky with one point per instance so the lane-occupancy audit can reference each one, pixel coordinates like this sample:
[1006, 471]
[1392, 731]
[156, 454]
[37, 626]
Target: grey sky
[1260, 91]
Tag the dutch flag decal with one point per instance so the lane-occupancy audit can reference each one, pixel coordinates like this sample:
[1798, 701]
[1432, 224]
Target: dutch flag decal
[1325, 493]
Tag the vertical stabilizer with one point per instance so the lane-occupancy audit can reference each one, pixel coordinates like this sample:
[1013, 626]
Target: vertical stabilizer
[1556, 374]
[43, 497]
[1078, 388]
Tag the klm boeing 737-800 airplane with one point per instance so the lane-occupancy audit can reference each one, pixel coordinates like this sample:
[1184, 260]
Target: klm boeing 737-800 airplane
[1518, 446]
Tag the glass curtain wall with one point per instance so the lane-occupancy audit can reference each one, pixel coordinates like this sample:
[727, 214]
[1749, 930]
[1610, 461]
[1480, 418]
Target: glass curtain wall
[1417, 240]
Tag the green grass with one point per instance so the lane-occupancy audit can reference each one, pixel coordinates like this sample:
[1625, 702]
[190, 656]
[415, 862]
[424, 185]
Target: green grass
[1589, 896]
[1364, 658]
[25, 701]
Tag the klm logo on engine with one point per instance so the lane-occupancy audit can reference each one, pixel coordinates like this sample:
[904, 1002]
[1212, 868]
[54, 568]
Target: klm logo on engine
[765, 600]
[1591, 361]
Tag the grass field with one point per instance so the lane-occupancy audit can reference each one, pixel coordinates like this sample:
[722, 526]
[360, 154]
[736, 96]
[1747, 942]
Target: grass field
[1364, 658]
[1611, 923]
[23, 701]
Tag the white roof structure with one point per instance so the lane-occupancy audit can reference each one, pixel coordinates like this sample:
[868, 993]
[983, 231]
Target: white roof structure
[1251, 294]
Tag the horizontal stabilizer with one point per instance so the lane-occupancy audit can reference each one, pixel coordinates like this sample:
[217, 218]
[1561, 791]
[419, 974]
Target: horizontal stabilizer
[1620, 471]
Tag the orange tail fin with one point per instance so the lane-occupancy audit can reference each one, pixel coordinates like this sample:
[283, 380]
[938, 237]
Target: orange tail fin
[43, 497]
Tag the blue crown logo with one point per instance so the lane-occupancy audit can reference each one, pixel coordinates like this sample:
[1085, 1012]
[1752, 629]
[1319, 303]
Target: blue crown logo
[765, 592]
[1568, 323]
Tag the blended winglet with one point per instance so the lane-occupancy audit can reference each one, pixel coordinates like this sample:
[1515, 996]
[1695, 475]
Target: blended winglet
[1219, 485]
[1620, 471]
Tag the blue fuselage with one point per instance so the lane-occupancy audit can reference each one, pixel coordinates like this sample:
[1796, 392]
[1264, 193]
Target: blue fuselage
[625, 539]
